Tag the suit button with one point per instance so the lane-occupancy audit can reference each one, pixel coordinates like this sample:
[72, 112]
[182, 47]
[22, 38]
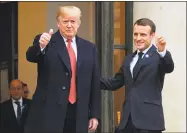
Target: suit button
[66, 74]
[63, 88]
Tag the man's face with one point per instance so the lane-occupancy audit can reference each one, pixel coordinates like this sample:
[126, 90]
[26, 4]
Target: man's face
[16, 89]
[68, 26]
[142, 37]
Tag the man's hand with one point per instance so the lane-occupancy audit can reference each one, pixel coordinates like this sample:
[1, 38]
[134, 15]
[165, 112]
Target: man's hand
[45, 38]
[160, 43]
[93, 123]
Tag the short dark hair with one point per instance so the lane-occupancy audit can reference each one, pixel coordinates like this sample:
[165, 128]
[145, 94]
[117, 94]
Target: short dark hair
[146, 22]
[24, 84]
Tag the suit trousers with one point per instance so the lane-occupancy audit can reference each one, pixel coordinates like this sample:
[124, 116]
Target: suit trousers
[130, 128]
[70, 120]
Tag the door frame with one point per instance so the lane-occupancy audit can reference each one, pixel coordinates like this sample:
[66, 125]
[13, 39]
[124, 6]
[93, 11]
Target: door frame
[104, 41]
[10, 63]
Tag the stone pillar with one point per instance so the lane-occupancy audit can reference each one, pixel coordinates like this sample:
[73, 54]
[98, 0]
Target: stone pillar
[104, 41]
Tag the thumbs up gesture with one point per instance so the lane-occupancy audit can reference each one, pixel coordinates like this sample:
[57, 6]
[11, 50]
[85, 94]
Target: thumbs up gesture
[45, 38]
[160, 43]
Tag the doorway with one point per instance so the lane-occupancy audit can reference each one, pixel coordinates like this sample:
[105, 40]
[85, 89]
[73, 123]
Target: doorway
[114, 27]
[8, 46]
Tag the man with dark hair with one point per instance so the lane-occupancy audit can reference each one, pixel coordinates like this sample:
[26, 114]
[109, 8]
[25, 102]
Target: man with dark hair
[14, 111]
[25, 90]
[142, 73]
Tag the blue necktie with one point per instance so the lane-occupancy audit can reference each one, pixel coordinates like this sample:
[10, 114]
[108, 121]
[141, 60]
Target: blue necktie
[18, 112]
[137, 63]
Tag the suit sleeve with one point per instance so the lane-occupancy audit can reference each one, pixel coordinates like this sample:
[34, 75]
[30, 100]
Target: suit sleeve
[34, 53]
[166, 63]
[2, 126]
[95, 97]
[113, 83]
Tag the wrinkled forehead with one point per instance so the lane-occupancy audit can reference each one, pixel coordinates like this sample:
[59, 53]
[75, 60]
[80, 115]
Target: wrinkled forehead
[69, 17]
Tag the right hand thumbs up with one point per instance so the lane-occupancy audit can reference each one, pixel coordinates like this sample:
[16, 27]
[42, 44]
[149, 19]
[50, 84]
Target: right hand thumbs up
[45, 38]
[51, 32]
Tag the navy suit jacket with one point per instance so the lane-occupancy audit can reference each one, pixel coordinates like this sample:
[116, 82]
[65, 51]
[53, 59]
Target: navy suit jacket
[50, 99]
[9, 123]
[143, 91]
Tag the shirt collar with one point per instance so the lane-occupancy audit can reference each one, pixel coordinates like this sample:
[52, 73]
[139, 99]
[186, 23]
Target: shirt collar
[20, 100]
[65, 39]
[145, 51]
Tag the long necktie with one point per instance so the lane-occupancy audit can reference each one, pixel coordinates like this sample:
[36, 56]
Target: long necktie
[139, 58]
[72, 92]
[18, 112]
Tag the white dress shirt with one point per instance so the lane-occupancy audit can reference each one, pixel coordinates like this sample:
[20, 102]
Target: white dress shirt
[15, 106]
[135, 58]
[73, 44]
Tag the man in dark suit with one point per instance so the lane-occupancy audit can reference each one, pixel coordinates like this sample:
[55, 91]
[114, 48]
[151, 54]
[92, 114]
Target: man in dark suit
[14, 111]
[67, 97]
[143, 74]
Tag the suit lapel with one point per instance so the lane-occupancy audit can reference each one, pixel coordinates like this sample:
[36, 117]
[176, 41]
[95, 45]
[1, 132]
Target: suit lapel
[128, 60]
[79, 53]
[137, 70]
[24, 110]
[58, 42]
[25, 106]
[60, 46]
[144, 60]
[12, 112]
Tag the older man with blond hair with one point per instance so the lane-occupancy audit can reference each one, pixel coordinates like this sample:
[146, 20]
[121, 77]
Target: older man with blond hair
[67, 96]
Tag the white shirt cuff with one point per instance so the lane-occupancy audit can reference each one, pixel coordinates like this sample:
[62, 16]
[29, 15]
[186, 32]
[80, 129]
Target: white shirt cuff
[162, 54]
[42, 48]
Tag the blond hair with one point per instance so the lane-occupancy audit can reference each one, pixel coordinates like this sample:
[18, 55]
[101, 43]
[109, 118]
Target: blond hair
[68, 10]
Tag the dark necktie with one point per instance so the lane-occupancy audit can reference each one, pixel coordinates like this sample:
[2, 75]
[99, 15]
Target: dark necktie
[18, 111]
[136, 65]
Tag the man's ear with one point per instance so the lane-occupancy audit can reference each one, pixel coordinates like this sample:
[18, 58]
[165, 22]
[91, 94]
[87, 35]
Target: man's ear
[79, 23]
[153, 35]
[58, 25]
